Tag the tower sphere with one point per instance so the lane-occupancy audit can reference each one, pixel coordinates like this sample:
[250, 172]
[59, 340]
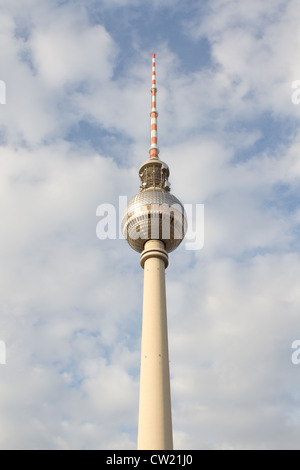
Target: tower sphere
[154, 214]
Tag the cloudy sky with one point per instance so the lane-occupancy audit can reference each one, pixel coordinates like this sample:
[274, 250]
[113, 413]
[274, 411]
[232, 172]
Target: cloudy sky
[73, 132]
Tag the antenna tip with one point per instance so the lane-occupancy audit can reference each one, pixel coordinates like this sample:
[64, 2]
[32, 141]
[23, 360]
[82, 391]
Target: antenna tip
[154, 55]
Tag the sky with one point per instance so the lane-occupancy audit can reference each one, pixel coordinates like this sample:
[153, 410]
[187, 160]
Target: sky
[73, 132]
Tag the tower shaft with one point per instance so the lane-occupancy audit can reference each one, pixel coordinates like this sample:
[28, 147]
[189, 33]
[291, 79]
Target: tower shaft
[155, 416]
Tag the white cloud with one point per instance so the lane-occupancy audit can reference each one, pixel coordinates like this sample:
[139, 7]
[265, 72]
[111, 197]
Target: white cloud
[49, 57]
[232, 369]
[69, 51]
[255, 52]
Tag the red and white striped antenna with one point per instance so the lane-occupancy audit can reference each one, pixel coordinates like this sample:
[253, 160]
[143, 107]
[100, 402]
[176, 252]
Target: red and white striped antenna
[154, 150]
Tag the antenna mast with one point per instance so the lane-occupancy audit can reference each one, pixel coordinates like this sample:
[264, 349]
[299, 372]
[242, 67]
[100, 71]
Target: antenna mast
[154, 150]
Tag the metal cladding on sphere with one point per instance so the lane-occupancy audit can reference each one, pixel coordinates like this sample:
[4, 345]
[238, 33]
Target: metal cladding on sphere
[154, 214]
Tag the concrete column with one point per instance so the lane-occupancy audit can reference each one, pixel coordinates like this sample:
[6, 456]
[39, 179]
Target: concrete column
[155, 416]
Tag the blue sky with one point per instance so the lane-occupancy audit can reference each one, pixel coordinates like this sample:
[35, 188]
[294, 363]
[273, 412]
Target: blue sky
[74, 130]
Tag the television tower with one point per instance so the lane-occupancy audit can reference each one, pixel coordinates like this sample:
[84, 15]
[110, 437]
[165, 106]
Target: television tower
[154, 224]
